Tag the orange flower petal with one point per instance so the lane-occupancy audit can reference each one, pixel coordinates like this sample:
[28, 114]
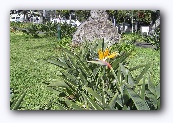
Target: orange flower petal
[114, 54]
[100, 55]
[106, 52]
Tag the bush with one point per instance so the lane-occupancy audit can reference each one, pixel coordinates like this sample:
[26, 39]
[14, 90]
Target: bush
[154, 38]
[67, 30]
[19, 25]
[88, 86]
[50, 29]
[132, 37]
[64, 42]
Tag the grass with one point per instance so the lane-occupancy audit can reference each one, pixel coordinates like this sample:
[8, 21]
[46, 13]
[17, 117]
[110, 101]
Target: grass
[137, 37]
[29, 68]
[143, 56]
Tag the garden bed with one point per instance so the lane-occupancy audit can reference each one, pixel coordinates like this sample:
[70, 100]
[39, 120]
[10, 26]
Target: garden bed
[29, 68]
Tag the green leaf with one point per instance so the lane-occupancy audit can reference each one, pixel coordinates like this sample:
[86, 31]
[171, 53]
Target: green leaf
[69, 76]
[128, 78]
[82, 78]
[126, 108]
[73, 105]
[66, 59]
[61, 107]
[69, 79]
[158, 103]
[105, 106]
[94, 94]
[58, 63]
[113, 101]
[119, 75]
[53, 90]
[95, 72]
[143, 90]
[97, 62]
[124, 70]
[103, 45]
[142, 73]
[152, 97]
[80, 63]
[139, 103]
[83, 67]
[151, 86]
[131, 82]
[16, 104]
[121, 59]
[119, 100]
[109, 92]
[73, 62]
[137, 67]
[158, 90]
[59, 84]
[92, 103]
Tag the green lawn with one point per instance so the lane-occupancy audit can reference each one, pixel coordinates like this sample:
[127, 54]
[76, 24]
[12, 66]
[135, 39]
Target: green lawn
[143, 56]
[29, 67]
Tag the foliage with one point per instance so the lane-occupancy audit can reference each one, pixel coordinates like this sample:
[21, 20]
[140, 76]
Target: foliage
[82, 15]
[67, 30]
[132, 37]
[142, 56]
[154, 38]
[64, 42]
[126, 46]
[122, 15]
[15, 103]
[50, 29]
[86, 86]
[33, 30]
[18, 26]
[29, 68]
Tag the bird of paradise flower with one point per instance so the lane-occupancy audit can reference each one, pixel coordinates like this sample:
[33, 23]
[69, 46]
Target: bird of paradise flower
[103, 56]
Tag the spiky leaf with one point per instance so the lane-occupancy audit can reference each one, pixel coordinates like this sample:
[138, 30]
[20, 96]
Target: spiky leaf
[139, 103]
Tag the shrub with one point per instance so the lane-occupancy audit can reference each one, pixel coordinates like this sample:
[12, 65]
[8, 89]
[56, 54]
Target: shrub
[131, 37]
[88, 86]
[154, 38]
[67, 30]
[64, 42]
[33, 30]
[19, 26]
[50, 29]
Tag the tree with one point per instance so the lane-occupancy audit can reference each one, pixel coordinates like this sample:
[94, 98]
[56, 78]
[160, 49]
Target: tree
[82, 15]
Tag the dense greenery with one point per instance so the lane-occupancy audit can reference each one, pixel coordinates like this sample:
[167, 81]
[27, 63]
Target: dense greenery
[154, 38]
[50, 74]
[132, 37]
[29, 69]
[44, 30]
[143, 16]
[86, 86]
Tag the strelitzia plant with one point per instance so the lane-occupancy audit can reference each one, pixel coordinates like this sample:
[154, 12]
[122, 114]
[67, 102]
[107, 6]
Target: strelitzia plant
[103, 55]
[87, 86]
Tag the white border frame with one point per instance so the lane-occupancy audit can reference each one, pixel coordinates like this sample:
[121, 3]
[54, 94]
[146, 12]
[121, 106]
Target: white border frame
[89, 116]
